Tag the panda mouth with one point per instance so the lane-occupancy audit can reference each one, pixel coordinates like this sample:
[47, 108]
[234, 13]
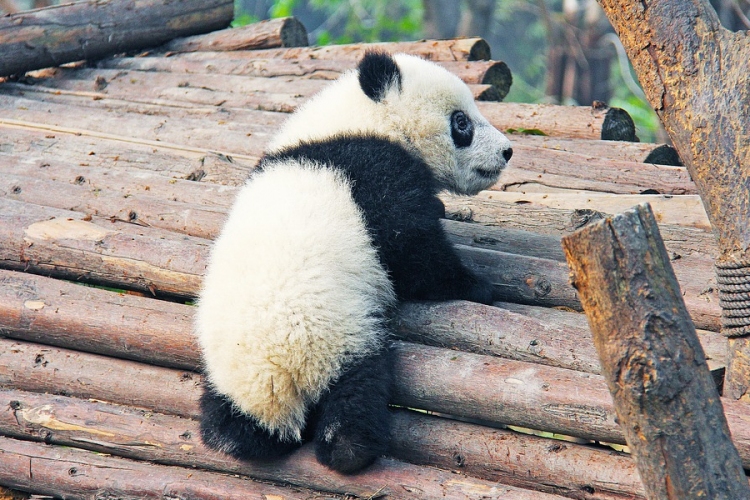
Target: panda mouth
[488, 174]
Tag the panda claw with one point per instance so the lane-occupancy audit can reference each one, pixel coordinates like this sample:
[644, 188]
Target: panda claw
[346, 454]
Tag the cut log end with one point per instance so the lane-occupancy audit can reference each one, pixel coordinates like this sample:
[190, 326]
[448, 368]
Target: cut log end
[293, 33]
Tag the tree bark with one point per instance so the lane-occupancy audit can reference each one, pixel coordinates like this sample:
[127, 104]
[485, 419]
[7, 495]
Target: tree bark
[92, 30]
[268, 34]
[694, 73]
[652, 360]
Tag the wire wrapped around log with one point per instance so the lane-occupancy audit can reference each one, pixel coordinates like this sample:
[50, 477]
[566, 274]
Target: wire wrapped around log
[733, 278]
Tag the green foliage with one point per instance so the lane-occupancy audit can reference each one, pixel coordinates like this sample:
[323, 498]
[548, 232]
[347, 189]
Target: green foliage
[243, 19]
[526, 131]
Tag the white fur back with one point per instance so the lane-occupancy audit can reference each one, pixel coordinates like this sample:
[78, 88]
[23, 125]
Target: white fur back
[292, 293]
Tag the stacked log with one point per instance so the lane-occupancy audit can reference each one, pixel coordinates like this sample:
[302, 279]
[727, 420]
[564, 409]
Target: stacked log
[119, 176]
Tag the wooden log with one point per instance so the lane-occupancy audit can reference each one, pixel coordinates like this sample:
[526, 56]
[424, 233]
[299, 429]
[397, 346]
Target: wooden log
[580, 122]
[68, 252]
[267, 34]
[686, 246]
[75, 246]
[540, 168]
[52, 312]
[281, 94]
[64, 314]
[458, 49]
[83, 383]
[122, 431]
[71, 154]
[544, 166]
[81, 196]
[65, 244]
[685, 210]
[68, 472]
[431, 378]
[615, 150]
[493, 73]
[557, 214]
[520, 460]
[652, 360]
[168, 129]
[88, 30]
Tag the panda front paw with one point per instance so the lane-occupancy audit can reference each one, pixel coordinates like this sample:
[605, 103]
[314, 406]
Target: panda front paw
[481, 291]
[347, 450]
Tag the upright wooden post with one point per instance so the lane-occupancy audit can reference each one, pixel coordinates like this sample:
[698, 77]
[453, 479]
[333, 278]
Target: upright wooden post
[694, 73]
[654, 364]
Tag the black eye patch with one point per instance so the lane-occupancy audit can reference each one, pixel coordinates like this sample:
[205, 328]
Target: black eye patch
[462, 129]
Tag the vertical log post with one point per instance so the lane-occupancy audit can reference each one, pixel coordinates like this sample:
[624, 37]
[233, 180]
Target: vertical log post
[694, 73]
[655, 367]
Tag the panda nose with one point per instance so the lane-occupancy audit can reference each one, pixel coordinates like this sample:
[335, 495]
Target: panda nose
[508, 153]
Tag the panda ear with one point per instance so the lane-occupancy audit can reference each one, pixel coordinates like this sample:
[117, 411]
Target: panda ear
[377, 72]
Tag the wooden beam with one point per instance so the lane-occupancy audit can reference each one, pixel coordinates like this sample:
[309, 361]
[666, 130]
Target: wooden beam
[652, 360]
[267, 34]
[92, 30]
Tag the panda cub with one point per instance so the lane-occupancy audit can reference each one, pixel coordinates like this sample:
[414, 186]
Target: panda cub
[339, 222]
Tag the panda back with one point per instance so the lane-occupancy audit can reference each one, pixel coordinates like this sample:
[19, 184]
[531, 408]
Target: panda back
[294, 292]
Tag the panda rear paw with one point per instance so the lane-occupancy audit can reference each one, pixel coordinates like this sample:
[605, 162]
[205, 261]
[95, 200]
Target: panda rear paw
[224, 428]
[347, 450]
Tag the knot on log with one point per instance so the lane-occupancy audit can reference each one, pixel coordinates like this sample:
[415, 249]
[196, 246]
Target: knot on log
[734, 296]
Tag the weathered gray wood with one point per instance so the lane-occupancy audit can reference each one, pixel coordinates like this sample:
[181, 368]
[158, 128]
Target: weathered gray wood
[67, 155]
[132, 433]
[68, 472]
[496, 74]
[268, 34]
[652, 360]
[91, 30]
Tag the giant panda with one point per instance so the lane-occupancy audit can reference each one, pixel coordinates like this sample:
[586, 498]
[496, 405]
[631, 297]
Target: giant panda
[338, 222]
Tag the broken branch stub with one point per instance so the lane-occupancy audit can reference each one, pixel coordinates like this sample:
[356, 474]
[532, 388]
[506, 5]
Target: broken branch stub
[652, 360]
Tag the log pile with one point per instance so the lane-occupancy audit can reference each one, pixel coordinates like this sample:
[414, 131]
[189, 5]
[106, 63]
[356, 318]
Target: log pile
[119, 174]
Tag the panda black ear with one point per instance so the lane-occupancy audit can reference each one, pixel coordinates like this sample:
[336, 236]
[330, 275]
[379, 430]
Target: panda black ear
[377, 72]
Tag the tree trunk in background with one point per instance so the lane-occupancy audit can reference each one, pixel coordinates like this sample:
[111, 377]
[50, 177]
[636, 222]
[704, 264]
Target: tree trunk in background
[578, 63]
[441, 18]
[694, 73]
[477, 18]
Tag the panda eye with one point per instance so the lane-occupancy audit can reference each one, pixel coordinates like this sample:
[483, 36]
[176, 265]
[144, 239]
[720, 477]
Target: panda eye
[462, 129]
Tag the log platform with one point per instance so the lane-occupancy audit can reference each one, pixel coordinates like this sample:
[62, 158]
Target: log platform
[118, 173]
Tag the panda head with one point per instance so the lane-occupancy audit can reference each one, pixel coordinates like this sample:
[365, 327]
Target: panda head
[416, 103]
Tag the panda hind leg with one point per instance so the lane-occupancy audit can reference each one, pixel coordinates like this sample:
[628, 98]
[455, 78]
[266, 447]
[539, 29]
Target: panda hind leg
[224, 428]
[353, 422]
